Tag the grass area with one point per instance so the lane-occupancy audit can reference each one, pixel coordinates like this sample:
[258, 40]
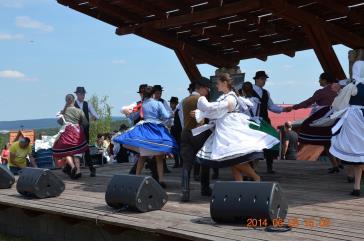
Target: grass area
[8, 238]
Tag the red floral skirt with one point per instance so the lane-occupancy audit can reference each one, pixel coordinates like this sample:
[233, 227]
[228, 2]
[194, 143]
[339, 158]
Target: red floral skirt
[71, 141]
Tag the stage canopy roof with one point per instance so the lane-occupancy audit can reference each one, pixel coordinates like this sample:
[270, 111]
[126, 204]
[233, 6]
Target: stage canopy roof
[223, 32]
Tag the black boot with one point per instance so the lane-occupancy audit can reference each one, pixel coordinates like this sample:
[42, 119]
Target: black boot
[205, 181]
[196, 172]
[215, 174]
[333, 170]
[355, 193]
[176, 161]
[92, 171]
[166, 170]
[67, 170]
[185, 185]
[133, 169]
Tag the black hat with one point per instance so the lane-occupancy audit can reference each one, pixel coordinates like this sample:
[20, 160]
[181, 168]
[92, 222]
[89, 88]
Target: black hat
[203, 82]
[142, 88]
[260, 74]
[174, 99]
[191, 87]
[80, 90]
[157, 88]
[328, 77]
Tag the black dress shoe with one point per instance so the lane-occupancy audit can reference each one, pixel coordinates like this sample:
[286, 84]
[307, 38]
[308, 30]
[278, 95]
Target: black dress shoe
[67, 170]
[270, 171]
[78, 175]
[92, 172]
[333, 170]
[350, 179]
[163, 184]
[73, 171]
[355, 193]
[207, 192]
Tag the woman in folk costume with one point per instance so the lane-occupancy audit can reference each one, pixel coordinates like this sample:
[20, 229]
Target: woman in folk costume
[150, 137]
[71, 142]
[319, 137]
[250, 105]
[348, 140]
[233, 142]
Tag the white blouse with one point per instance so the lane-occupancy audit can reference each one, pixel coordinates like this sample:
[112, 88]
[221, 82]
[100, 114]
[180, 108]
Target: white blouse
[358, 71]
[215, 110]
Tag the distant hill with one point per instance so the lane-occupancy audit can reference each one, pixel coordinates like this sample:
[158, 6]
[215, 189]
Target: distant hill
[34, 124]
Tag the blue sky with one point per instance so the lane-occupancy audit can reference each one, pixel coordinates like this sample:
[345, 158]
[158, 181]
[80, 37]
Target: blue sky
[46, 50]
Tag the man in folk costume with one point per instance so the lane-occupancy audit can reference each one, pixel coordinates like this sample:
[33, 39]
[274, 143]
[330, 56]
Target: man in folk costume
[137, 113]
[176, 129]
[90, 113]
[190, 144]
[265, 104]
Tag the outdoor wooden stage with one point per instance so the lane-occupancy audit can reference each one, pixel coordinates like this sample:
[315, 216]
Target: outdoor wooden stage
[81, 213]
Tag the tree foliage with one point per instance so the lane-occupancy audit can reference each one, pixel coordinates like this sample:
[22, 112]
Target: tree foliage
[103, 124]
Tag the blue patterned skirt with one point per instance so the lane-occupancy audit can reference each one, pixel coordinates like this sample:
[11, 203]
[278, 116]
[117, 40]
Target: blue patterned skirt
[149, 136]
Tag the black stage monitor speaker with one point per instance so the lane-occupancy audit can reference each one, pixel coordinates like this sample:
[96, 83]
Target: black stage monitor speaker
[240, 202]
[141, 193]
[7, 178]
[39, 183]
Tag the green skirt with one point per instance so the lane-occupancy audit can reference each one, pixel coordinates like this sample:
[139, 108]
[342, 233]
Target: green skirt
[266, 128]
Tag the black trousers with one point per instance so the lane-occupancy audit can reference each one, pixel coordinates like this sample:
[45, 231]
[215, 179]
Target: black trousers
[190, 145]
[88, 159]
[269, 156]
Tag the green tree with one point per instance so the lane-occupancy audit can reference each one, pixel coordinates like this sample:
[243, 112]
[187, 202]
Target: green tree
[103, 109]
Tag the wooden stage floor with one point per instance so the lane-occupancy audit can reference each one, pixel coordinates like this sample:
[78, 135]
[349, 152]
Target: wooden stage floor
[319, 201]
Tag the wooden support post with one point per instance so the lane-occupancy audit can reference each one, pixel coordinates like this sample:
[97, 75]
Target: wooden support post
[188, 65]
[324, 51]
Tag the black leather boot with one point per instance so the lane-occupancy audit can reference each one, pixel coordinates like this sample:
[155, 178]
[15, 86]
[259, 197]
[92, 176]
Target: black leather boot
[92, 171]
[185, 185]
[205, 181]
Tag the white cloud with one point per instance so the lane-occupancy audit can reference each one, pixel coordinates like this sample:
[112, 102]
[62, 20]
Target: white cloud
[12, 74]
[27, 22]
[16, 75]
[119, 61]
[5, 36]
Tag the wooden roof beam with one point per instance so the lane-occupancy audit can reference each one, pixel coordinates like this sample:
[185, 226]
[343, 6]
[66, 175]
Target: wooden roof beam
[189, 65]
[282, 48]
[203, 15]
[300, 17]
[200, 53]
[352, 14]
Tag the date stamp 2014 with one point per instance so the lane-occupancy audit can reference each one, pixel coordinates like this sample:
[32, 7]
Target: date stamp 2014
[321, 222]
